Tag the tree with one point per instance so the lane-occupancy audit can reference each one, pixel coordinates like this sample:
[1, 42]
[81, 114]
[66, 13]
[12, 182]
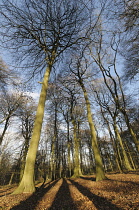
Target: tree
[26, 114]
[130, 17]
[71, 95]
[40, 31]
[127, 16]
[9, 104]
[110, 112]
[4, 74]
[79, 69]
[5, 167]
[108, 69]
[74, 114]
[66, 115]
[54, 118]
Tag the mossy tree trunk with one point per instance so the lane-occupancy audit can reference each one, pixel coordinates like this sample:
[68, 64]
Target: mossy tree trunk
[69, 149]
[133, 135]
[77, 168]
[27, 183]
[117, 100]
[23, 161]
[100, 175]
[54, 148]
[52, 161]
[130, 156]
[67, 120]
[126, 161]
[116, 151]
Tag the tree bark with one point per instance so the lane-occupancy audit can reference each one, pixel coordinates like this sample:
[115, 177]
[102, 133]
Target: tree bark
[69, 148]
[27, 184]
[126, 161]
[77, 168]
[100, 175]
[136, 141]
[4, 130]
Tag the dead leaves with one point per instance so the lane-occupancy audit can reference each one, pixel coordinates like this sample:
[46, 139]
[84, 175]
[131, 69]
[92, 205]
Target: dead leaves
[120, 191]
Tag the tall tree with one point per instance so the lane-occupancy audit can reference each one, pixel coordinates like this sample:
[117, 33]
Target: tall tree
[4, 74]
[108, 67]
[9, 104]
[79, 69]
[26, 114]
[129, 49]
[40, 31]
[72, 96]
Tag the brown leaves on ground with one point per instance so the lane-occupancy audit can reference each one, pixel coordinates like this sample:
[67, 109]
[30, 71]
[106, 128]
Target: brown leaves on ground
[120, 191]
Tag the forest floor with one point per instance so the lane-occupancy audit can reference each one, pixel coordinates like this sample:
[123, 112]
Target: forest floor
[120, 191]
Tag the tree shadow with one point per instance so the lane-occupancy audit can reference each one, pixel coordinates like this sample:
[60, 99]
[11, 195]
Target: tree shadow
[100, 203]
[63, 200]
[128, 187]
[88, 178]
[127, 182]
[5, 190]
[31, 202]
[5, 194]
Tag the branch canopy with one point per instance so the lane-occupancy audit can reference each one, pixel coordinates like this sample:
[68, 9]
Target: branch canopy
[34, 30]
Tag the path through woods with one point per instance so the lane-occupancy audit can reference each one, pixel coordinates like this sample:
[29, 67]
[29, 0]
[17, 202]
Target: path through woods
[120, 191]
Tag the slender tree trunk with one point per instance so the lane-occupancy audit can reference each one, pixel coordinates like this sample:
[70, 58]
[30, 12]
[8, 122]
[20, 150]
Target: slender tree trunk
[77, 168]
[130, 156]
[4, 130]
[117, 102]
[23, 159]
[136, 141]
[100, 174]
[11, 178]
[69, 149]
[53, 164]
[27, 183]
[116, 151]
[91, 160]
[68, 145]
[54, 149]
[107, 153]
[69, 160]
[126, 161]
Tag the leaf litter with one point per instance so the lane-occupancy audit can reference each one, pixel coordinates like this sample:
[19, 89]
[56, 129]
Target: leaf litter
[118, 192]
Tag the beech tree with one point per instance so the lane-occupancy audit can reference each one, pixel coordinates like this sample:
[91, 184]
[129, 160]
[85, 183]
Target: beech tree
[8, 106]
[38, 33]
[79, 69]
[129, 49]
[4, 74]
[72, 114]
[74, 109]
[104, 99]
[26, 114]
[107, 64]
[53, 112]
[124, 19]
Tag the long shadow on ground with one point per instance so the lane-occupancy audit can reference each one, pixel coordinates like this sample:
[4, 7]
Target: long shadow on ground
[88, 178]
[127, 187]
[63, 200]
[4, 192]
[127, 182]
[31, 202]
[99, 202]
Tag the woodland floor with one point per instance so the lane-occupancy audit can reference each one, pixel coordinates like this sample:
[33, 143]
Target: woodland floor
[120, 191]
